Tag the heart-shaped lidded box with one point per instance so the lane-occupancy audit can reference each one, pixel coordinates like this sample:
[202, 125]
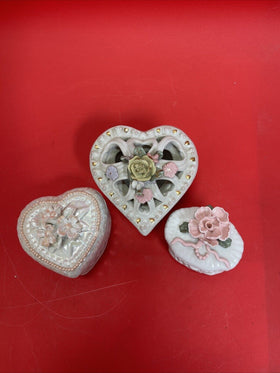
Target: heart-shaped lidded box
[144, 174]
[67, 233]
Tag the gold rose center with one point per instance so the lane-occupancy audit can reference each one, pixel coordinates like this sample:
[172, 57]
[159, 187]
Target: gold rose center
[141, 168]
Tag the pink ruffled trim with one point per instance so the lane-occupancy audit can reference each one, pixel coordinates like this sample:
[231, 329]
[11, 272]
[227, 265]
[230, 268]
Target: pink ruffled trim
[196, 247]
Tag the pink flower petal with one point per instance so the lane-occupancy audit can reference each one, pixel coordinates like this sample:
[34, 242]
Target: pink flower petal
[193, 228]
[153, 157]
[221, 214]
[170, 169]
[208, 224]
[146, 196]
[225, 228]
[202, 212]
[201, 225]
[216, 233]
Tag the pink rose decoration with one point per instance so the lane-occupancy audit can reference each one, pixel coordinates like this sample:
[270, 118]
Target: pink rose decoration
[210, 225]
[146, 196]
[170, 169]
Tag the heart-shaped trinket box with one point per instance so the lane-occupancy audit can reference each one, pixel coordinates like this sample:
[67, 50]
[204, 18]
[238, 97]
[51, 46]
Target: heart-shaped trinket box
[67, 233]
[144, 174]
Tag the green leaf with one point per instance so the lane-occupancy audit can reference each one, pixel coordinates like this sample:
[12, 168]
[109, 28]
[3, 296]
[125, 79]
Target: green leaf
[225, 244]
[159, 172]
[139, 151]
[184, 227]
[160, 155]
[129, 177]
[211, 207]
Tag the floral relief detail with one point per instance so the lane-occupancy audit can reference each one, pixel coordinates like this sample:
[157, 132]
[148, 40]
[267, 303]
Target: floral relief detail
[145, 196]
[137, 170]
[112, 173]
[48, 235]
[55, 225]
[50, 213]
[210, 225]
[69, 227]
[170, 169]
[141, 168]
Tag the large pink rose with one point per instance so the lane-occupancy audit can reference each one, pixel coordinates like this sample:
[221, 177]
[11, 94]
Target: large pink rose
[210, 225]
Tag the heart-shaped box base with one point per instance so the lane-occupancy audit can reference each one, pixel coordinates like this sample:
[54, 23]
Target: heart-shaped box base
[144, 174]
[67, 233]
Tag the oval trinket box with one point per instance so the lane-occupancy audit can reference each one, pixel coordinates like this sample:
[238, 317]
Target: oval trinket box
[203, 239]
[67, 233]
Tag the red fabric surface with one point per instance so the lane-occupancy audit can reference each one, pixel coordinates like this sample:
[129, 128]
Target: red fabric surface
[69, 71]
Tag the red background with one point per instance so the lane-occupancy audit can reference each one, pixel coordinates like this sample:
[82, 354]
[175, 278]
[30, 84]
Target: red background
[69, 71]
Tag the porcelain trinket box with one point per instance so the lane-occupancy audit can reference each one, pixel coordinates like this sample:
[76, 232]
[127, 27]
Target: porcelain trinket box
[68, 233]
[203, 239]
[144, 174]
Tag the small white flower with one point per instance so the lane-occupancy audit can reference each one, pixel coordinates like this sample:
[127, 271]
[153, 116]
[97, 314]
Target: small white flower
[138, 185]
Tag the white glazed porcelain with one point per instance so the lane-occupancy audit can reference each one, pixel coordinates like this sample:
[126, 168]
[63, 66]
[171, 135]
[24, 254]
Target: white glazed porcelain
[144, 186]
[197, 254]
[67, 233]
